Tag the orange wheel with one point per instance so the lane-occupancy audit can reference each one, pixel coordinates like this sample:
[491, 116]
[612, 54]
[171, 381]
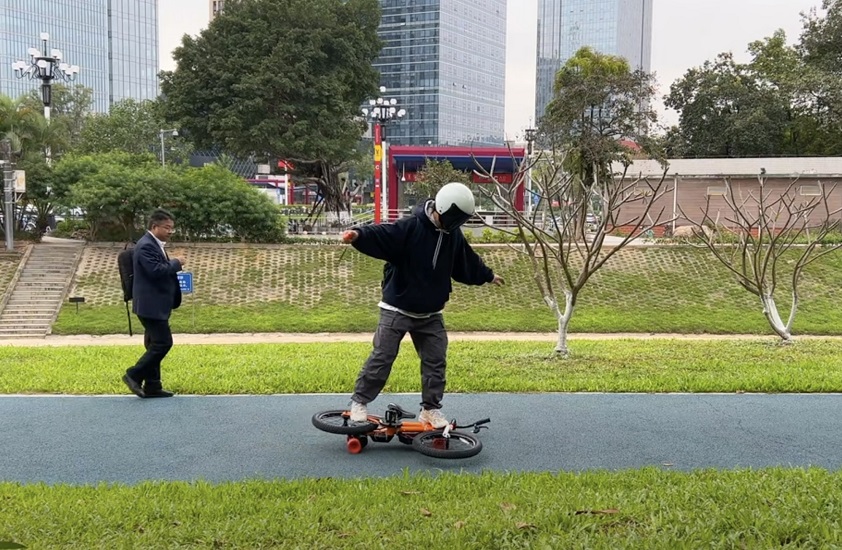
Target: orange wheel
[355, 446]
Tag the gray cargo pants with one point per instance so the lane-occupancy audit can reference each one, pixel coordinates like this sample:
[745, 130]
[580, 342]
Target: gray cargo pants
[430, 339]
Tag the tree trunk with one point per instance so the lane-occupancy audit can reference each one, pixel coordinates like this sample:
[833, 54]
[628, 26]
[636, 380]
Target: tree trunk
[770, 310]
[563, 323]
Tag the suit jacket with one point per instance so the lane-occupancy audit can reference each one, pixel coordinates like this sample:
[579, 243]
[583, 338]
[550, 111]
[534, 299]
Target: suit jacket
[155, 290]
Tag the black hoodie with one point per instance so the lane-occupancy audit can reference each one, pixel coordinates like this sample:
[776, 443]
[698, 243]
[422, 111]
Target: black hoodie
[421, 259]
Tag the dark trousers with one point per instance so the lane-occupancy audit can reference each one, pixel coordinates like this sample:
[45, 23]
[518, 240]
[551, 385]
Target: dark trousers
[430, 339]
[157, 338]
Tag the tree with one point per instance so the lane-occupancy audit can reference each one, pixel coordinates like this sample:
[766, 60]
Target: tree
[785, 101]
[599, 108]
[821, 50]
[28, 133]
[727, 111]
[433, 176]
[598, 104]
[134, 127]
[71, 107]
[772, 236]
[280, 80]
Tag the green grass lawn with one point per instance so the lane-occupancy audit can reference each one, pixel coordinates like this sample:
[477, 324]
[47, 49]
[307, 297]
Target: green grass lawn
[658, 365]
[649, 508]
[309, 289]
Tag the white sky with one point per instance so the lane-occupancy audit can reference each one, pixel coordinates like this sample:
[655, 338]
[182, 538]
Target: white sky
[685, 34]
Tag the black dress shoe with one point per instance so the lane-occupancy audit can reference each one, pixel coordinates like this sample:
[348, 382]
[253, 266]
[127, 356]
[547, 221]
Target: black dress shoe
[157, 393]
[133, 385]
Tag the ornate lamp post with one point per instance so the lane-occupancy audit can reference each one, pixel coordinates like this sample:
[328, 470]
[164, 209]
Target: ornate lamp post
[46, 65]
[380, 111]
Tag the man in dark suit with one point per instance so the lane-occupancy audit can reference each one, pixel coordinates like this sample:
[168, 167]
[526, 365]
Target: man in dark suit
[156, 293]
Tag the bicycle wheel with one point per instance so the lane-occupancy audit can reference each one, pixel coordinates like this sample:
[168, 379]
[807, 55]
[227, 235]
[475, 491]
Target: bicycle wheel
[337, 422]
[458, 445]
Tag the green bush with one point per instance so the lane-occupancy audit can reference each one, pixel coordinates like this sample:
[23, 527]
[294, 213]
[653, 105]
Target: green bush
[71, 229]
[118, 192]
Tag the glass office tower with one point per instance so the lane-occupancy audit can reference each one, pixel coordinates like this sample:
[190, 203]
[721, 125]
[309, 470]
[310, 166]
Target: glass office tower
[616, 27]
[114, 43]
[445, 63]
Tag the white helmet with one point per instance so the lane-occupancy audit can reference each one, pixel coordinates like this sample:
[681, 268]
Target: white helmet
[455, 205]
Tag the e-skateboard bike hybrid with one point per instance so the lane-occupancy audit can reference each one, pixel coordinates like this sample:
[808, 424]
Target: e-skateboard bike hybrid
[438, 443]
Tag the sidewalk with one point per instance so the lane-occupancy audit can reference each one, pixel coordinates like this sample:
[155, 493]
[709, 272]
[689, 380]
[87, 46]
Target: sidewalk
[295, 337]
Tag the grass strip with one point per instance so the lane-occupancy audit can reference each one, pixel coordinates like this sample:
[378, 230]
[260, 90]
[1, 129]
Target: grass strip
[662, 365]
[648, 508]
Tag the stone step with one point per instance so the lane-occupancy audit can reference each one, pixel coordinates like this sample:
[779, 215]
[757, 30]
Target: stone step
[26, 318]
[54, 274]
[15, 324]
[64, 260]
[42, 328]
[40, 262]
[23, 333]
[36, 288]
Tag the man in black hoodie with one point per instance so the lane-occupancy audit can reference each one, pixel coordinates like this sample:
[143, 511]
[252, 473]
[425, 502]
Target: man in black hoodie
[422, 253]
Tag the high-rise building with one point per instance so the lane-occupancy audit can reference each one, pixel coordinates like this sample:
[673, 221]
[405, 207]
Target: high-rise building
[114, 42]
[215, 7]
[445, 63]
[615, 27]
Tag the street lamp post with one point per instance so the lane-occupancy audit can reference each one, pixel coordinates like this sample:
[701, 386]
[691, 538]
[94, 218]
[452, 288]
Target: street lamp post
[46, 65]
[531, 134]
[161, 133]
[380, 111]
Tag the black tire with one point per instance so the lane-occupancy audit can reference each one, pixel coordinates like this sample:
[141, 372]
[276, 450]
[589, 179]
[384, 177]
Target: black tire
[458, 445]
[336, 422]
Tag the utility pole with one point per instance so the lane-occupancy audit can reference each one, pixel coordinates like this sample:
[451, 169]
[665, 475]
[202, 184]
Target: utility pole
[8, 194]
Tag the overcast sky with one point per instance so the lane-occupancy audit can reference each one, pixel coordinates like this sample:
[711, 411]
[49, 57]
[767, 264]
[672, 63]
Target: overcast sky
[685, 34]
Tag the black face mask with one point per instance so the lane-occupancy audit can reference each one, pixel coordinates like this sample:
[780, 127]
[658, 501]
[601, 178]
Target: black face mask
[452, 218]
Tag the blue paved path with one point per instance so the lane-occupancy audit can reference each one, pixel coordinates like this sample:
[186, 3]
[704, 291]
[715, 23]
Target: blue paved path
[126, 439]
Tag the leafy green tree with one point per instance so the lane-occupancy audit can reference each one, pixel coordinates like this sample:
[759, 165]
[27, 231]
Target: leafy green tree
[134, 127]
[23, 125]
[726, 110]
[433, 176]
[280, 80]
[71, 107]
[785, 101]
[599, 106]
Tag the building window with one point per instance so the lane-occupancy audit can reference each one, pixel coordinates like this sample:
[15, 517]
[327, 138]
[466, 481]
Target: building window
[810, 190]
[717, 190]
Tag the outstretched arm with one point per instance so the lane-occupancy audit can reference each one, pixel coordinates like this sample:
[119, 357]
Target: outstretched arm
[384, 242]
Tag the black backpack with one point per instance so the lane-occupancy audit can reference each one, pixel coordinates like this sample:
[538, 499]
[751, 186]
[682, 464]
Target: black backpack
[125, 264]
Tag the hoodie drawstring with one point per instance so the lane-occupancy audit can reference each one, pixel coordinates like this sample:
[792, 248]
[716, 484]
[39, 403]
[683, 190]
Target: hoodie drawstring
[438, 247]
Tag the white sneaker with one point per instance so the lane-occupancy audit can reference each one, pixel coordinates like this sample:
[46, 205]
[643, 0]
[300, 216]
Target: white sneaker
[433, 417]
[359, 412]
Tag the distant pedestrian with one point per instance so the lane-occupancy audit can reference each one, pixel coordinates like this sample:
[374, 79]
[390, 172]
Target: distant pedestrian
[156, 293]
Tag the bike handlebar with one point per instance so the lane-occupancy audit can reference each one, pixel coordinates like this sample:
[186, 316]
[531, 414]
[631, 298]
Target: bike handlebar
[477, 423]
